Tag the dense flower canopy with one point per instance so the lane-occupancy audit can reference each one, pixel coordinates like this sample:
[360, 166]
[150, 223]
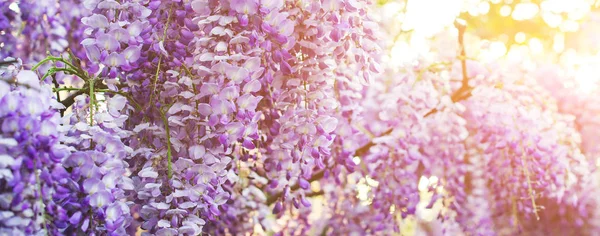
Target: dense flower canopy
[287, 117]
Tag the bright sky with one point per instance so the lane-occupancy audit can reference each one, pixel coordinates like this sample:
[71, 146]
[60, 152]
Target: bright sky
[427, 18]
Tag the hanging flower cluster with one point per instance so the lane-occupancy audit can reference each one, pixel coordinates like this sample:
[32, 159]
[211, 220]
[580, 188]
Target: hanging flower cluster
[30, 156]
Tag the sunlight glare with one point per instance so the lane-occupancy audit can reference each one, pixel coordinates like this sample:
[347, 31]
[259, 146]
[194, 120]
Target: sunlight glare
[587, 78]
[428, 20]
[536, 46]
[559, 43]
[525, 11]
[15, 7]
[505, 10]
[423, 183]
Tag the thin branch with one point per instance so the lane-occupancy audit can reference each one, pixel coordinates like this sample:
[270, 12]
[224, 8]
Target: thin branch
[461, 25]
[67, 102]
[8, 62]
[464, 91]
[163, 111]
[160, 56]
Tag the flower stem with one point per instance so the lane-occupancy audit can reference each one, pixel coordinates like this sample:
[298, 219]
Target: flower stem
[169, 154]
[530, 190]
[160, 56]
[65, 89]
[53, 59]
[92, 101]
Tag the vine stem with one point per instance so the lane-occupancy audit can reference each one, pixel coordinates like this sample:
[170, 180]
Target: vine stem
[530, 190]
[189, 73]
[66, 89]
[169, 154]
[464, 91]
[160, 56]
[52, 58]
[92, 101]
[53, 70]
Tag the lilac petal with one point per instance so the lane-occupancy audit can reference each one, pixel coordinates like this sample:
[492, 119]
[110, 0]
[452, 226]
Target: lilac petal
[252, 86]
[215, 210]
[221, 198]
[189, 229]
[285, 68]
[6, 161]
[243, 19]
[161, 48]
[108, 4]
[220, 106]
[204, 109]
[108, 42]
[335, 35]
[414, 154]
[222, 67]
[200, 6]
[9, 125]
[132, 53]
[4, 88]
[248, 102]
[197, 152]
[115, 60]
[148, 172]
[272, 4]
[93, 53]
[93, 185]
[247, 7]
[235, 129]
[306, 128]
[90, 5]
[305, 202]
[95, 21]
[28, 78]
[238, 74]
[100, 199]
[164, 224]
[113, 212]
[277, 209]
[286, 28]
[252, 64]
[135, 28]
[229, 93]
[208, 89]
[77, 159]
[303, 183]
[329, 124]
[248, 144]
[167, 232]
[86, 224]
[120, 34]
[224, 139]
[8, 104]
[75, 218]
[116, 104]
